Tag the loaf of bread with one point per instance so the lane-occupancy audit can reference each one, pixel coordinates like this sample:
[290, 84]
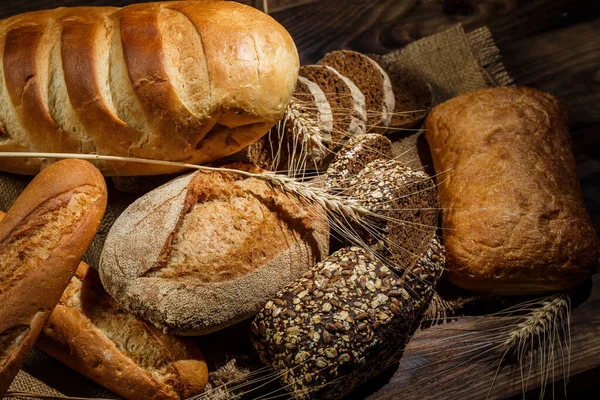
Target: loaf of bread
[514, 221]
[209, 249]
[42, 239]
[344, 322]
[189, 81]
[90, 333]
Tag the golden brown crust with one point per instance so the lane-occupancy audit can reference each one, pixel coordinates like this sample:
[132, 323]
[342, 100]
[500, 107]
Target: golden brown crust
[78, 334]
[159, 261]
[108, 80]
[514, 219]
[42, 239]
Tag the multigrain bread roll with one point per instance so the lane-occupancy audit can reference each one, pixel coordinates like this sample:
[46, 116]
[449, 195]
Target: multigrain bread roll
[344, 322]
[513, 216]
[209, 249]
[90, 333]
[42, 239]
[189, 81]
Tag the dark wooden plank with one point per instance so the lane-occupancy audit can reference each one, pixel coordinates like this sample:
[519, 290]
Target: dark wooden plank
[563, 62]
[433, 366]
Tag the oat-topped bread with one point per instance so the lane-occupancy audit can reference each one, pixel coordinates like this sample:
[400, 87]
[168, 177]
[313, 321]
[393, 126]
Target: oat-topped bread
[346, 100]
[357, 152]
[208, 249]
[407, 199]
[188, 81]
[301, 138]
[370, 79]
[346, 321]
[91, 333]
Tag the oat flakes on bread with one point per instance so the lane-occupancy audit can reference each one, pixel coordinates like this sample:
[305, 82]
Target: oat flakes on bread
[371, 80]
[344, 322]
[209, 249]
[356, 153]
[89, 332]
[408, 201]
[189, 81]
[513, 215]
[43, 237]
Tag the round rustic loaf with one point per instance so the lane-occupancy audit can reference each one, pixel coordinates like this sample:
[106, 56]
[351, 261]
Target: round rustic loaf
[208, 250]
[344, 322]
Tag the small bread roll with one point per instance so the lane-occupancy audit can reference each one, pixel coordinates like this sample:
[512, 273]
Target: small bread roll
[513, 215]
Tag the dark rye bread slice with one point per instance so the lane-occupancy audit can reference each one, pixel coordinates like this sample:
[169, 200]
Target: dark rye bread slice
[357, 152]
[305, 130]
[413, 95]
[346, 100]
[372, 81]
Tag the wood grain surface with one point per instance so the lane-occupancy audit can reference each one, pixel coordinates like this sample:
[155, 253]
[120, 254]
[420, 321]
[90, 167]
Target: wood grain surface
[552, 45]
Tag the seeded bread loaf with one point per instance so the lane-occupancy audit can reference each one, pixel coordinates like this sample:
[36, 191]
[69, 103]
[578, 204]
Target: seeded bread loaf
[346, 100]
[346, 321]
[90, 333]
[208, 250]
[408, 202]
[371, 80]
[42, 239]
[189, 81]
[357, 152]
[302, 137]
[514, 219]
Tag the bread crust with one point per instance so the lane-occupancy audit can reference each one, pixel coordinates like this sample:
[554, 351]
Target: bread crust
[513, 215]
[72, 337]
[127, 92]
[258, 257]
[34, 278]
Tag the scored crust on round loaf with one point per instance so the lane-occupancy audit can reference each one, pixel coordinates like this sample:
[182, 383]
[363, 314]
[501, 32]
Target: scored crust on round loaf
[370, 79]
[207, 250]
[346, 100]
[344, 322]
[301, 138]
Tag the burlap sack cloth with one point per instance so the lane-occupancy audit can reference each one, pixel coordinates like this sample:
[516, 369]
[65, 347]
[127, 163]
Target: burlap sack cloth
[452, 62]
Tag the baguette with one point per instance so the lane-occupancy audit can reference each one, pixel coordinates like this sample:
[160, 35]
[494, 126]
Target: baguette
[90, 333]
[42, 239]
[189, 81]
[513, 214]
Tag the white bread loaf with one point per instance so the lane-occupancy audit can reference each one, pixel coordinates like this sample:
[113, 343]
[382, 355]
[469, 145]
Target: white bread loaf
[209, 249]
[189, 81]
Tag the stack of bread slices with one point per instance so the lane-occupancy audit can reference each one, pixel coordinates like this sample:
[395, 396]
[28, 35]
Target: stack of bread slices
[345, 94]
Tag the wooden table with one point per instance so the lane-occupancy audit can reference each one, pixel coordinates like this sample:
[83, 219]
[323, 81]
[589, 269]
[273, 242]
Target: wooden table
[552, 45]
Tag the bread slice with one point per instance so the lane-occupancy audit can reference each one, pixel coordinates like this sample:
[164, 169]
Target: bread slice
[409, 203]
[346, 100]
[301, 138]
[372, 81]
[91, 333]
[358, 151]
[413, 95]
